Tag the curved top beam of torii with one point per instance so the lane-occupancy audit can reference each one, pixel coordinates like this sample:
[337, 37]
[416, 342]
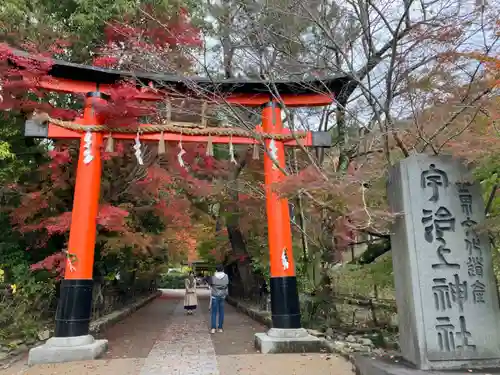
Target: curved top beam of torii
[79, 78]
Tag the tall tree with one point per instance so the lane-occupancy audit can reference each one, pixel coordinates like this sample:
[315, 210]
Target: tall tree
[395, 54]
[146, 209]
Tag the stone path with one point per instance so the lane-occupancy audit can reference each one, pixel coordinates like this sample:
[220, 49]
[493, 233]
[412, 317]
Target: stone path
[160, 339]
[184, 348]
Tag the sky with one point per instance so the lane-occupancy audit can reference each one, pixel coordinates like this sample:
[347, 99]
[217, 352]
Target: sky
[391, 12]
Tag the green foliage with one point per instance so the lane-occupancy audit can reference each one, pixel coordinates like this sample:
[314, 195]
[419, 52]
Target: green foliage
[488, 174]
[206, 250]
[259, 254]
[24, 314]
[360, 280]
[5, 151]
[172, 281]
[18, 155]
[12, 252]
[309, 274]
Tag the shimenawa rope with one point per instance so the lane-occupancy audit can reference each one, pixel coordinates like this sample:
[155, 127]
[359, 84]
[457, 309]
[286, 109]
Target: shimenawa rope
[42, 118]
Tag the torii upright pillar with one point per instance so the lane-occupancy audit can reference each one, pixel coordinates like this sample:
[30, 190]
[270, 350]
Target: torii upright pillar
[72, 341]
[286, 335]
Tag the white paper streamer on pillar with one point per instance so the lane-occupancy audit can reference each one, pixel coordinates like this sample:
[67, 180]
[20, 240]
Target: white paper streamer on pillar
[274, 152]
[87, 148]
[138, 152]
[69, 260]
[231, 150]
[284, 259]
[180, 155]
[71, 267]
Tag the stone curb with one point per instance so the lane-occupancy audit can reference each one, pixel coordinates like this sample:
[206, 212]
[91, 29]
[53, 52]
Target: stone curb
[353, 357]
[95, 327]
[264, 319]
[108, 320]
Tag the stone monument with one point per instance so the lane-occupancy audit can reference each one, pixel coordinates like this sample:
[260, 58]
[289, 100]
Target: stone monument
[446, 294]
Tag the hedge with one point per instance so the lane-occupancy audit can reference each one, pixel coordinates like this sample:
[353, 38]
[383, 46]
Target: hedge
[172, 281]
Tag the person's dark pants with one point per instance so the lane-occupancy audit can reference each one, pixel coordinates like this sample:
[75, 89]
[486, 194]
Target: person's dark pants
[217, 308]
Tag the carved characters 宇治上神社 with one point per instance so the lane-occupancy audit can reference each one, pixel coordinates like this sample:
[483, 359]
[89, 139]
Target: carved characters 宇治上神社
[434, 178]
[439, 222]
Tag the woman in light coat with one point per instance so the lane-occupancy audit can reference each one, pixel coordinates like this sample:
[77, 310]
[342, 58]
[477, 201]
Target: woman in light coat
[190, 299]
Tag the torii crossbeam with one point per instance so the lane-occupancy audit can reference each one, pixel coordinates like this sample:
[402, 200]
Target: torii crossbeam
[71, 341]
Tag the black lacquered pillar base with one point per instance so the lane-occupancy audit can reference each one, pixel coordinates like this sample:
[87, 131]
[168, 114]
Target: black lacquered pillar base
[285, 306]
[74, 308]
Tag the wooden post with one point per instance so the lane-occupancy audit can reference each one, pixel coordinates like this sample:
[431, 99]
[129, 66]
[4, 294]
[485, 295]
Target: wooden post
[75, 303]
[285, 308]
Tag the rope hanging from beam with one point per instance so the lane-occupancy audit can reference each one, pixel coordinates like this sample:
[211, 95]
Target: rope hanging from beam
[166, 128]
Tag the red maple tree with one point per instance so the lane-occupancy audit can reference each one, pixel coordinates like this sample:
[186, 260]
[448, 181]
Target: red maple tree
[132, 196]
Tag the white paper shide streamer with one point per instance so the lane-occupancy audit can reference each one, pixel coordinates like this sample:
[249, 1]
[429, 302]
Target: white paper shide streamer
[71, 267]
[232, 159]
[69, 260]
[274, 152]
[180, 155]
[284, 259]
[87, 148]
[231, 151]
[138, 152]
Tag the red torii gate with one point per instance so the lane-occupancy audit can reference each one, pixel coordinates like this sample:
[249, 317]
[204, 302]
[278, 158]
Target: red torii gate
[72, 340]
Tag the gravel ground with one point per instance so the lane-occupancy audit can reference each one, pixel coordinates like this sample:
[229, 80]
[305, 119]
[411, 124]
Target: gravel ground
[160, 339]
[284, 364]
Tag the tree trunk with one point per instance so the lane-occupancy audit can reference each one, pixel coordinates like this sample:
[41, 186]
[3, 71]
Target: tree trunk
[373, 251]
[236, 238]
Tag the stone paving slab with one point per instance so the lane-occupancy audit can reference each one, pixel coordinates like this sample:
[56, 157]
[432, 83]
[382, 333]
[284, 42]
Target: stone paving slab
[185, 348]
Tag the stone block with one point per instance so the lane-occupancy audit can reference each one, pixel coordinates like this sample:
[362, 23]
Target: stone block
[321, 139]
[287, 341]
[394, 366]
[67, 349]
[446, 294]
[33, 128]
